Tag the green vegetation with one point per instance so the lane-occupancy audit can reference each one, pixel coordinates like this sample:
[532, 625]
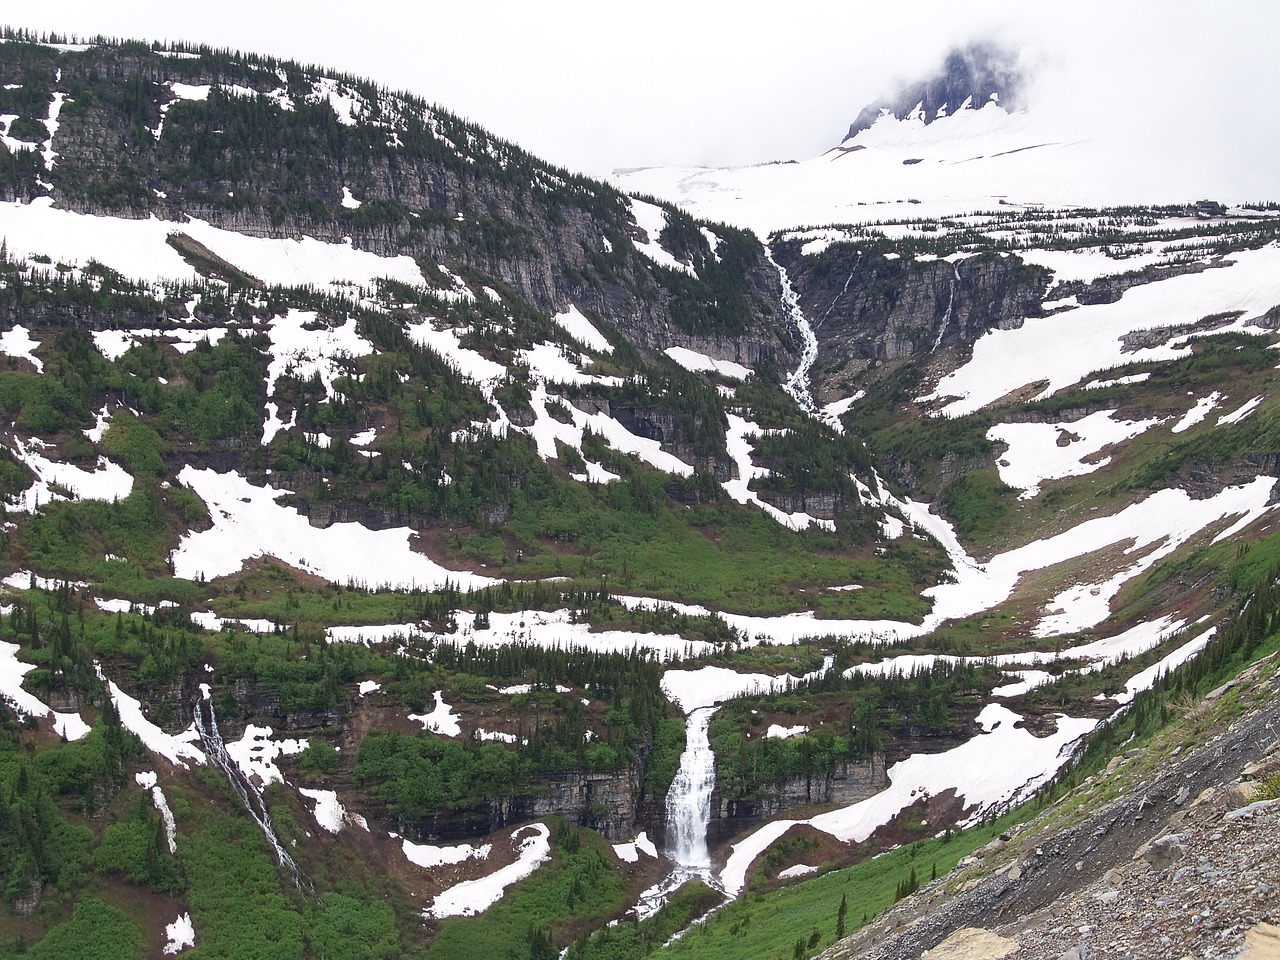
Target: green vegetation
[578, 890]
[633, 940]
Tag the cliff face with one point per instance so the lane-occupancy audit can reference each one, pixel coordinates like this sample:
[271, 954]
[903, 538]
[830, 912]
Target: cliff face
[846, 783]
[266, 148]
[867, 307]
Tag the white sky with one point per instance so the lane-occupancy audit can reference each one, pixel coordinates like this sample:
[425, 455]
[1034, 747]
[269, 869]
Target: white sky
[594, 86]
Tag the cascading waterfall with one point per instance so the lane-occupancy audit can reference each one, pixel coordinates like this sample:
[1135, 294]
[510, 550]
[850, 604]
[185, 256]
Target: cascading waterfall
[798, 383]
[688, 815]
[689, 799]
[946, 317]
[249, 795]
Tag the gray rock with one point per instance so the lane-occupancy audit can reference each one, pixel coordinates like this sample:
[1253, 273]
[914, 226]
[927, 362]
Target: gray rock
[1165, 851]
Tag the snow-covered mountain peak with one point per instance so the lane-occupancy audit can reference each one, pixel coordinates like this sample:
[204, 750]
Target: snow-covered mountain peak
[969, 77]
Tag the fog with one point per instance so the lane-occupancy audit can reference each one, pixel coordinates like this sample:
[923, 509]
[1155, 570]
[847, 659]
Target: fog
[601, 86]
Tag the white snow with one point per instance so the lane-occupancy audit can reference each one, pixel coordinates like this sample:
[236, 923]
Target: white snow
[833, 411]
[211, 621]
[1197, 413]
[1064, 350]
[12, 670]
[738, 444]
[700, 363]
[148, 781]
[974, 159]
[1085, 265]
[1236, 416]
[302, 346]
[99, 429]
[138, 250]
[441, 720]
[581, 329]
[349, 201]
[1147, 678]
[1119, 381]
[777, 731]
[62, 481]
[114, 344]
[329, 811]
[369, 686]
[799, 870]
[995, 767]
[179, 935]
[707, 686]
[1051, 451]
[653, 220]
[474, 896]
[427, 856]
[255, 753]
[1157, 525]
[374, 633]
[248, 522]
[18, 343]
[176, 750]
[630, 852]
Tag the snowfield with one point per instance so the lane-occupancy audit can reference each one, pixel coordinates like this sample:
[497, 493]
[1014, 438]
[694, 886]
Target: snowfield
[1051, 451]
[474, 896]
[995, 767]
[1062, 353]
[138, 249]
[248, 522]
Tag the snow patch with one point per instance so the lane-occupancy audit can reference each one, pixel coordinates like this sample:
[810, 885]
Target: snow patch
[475, 896]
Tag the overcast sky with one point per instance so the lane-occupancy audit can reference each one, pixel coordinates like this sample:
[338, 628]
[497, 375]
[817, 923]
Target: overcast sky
[597, 85]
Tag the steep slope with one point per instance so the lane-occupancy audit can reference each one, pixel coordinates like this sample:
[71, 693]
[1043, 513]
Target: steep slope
[385, 497]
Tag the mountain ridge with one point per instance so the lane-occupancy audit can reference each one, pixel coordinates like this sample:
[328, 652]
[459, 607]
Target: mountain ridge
[454, 524]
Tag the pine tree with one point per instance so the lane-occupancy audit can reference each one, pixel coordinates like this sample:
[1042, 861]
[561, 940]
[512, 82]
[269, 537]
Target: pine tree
[841, 916]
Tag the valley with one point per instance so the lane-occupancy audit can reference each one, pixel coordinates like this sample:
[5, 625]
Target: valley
[411, 548]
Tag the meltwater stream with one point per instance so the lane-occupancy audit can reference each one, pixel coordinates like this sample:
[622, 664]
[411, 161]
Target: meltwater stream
[254, 805]
[798, 383]
[688, 815]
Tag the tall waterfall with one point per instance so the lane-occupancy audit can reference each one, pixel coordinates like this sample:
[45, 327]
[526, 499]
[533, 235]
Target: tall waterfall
[689, 799]
[798, 383]
[249, 795]
[951, 301]
[688, 815]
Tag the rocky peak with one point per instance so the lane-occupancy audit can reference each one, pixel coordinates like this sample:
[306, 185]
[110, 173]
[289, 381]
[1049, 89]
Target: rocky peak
[969, 78]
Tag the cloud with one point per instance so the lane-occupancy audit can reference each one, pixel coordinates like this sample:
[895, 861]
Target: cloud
[596, 86]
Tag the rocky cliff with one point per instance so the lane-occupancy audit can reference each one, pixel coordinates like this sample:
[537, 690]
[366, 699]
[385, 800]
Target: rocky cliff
[867, 307]
[267, 148]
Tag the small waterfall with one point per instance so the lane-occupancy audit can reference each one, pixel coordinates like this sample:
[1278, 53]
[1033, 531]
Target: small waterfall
[946, 317]
[689, 799]
[798, 383]
[249, 795]
[840, 295]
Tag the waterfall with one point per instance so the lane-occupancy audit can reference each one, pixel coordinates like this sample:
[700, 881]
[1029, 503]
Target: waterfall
[946, 317]
[688, 814]
[798, 383]
[689, 799]
[249, 795]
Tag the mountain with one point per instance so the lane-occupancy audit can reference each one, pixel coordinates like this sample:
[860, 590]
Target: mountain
[412, 548]
[970, 78]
